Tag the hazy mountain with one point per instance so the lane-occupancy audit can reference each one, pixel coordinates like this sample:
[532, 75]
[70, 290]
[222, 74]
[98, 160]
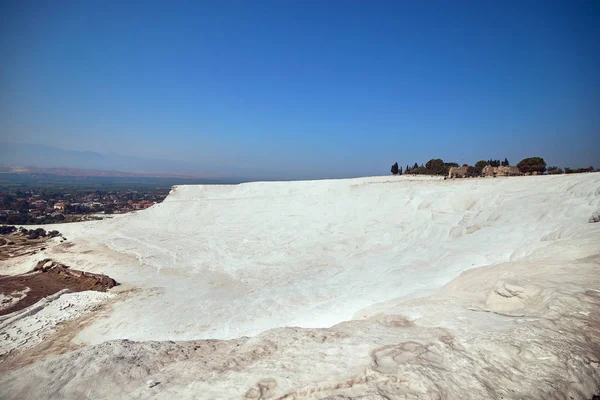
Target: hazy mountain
[43, 156]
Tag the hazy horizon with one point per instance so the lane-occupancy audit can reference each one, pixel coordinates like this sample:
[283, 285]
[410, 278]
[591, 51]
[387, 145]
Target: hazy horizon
[44, 156]
[290, 90]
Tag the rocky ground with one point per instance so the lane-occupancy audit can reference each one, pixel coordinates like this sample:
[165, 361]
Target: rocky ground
[15, 245]
[47, 278]
[45, 298]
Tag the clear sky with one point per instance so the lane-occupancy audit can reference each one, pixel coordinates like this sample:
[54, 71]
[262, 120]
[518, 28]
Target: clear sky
[304, 89]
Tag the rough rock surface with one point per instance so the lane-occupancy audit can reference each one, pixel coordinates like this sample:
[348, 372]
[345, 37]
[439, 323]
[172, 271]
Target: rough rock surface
[47, 278]
[544, 346]
[81, 280]
[33, 325]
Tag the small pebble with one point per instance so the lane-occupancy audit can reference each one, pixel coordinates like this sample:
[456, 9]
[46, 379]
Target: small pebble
[151, 383]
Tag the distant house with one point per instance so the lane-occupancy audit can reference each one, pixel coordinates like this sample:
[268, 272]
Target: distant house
[146, 203]
[40, 203]
[59, 206]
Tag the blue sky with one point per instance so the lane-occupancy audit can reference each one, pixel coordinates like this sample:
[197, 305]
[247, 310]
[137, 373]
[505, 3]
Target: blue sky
[305, 89]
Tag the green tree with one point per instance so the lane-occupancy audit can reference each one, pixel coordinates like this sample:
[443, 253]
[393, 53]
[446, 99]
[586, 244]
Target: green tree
[436, 166]
[531, 165]
[479, 166]
[472, 172]
[394, 169]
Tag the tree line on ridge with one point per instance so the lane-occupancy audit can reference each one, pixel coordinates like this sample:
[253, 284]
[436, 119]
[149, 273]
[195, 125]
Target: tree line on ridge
[527, 166]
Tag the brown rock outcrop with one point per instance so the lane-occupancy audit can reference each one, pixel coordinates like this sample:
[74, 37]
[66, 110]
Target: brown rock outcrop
[48, 277]
[84, 280]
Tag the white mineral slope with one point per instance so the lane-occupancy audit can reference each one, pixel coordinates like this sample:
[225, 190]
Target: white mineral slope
[519, 330]
[360, 265]
[30, 326]
[230, 261]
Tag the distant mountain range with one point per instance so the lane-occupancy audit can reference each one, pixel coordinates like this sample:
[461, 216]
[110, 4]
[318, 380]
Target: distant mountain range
[81, 172]
[38, 158]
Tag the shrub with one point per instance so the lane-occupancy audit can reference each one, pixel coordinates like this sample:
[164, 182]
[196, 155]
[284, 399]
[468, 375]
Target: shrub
[8, 229]
[473, 172]
[554, 171]
[578, 170]
[419, 170]
[36, 233]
